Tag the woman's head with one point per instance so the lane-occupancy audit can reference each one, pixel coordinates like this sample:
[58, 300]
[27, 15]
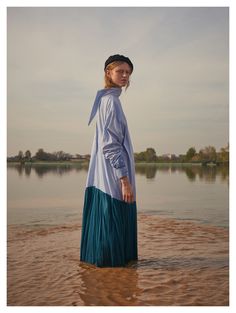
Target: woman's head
[118, 69]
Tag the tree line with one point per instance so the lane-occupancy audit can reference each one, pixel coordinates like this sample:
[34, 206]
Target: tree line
[42, 155]
[205, 155]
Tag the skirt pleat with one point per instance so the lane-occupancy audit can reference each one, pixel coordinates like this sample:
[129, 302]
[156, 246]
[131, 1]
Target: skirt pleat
[109, 230]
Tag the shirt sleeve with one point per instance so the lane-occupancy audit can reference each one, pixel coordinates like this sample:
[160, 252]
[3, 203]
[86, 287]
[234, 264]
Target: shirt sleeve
[112, 140]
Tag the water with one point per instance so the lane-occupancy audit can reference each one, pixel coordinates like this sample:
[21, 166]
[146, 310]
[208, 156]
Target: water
[51, 195]
[176, 256]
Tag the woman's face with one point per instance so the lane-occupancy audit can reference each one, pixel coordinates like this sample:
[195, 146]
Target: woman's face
[120, 74]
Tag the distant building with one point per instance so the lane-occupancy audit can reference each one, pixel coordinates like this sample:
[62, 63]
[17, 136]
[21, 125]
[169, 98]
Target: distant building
[169, 156]
[80, 157]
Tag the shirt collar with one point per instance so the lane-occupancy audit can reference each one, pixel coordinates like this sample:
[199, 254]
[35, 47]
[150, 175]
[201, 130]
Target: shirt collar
[116, 91]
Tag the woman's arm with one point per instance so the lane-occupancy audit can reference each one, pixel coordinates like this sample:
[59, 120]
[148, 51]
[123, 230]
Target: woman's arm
[112, 140]
[113, 150]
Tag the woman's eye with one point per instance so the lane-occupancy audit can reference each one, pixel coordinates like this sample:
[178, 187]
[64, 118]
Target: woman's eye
[122, 72]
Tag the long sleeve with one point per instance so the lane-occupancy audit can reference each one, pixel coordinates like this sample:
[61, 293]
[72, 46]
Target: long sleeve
[112, 139]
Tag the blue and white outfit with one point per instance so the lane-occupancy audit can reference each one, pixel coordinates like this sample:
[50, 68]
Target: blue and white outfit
[109, 225]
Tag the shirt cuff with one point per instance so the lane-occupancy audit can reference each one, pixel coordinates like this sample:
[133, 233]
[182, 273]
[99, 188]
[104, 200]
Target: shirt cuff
[122, 171]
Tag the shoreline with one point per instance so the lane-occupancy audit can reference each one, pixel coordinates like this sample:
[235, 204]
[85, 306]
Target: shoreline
[86, 162]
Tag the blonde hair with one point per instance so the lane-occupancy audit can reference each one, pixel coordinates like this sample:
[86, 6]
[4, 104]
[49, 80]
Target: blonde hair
[108, 82]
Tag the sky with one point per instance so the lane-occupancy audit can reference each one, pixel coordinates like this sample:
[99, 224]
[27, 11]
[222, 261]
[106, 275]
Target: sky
[179, 92]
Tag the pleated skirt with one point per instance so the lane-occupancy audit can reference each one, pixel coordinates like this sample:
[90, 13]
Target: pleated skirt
[109, 230]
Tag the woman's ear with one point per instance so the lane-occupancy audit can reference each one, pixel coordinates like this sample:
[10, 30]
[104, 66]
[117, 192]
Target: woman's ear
[108, 73]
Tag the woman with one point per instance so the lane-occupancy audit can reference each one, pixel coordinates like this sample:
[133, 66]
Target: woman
[109, 225]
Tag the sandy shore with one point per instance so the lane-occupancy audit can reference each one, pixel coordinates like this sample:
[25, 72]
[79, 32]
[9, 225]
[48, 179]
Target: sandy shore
[180, 263]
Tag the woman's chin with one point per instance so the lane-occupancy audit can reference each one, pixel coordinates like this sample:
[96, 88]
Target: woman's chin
[122, 84]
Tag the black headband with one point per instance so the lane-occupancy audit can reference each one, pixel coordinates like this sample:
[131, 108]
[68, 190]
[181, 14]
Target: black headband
[118, 57]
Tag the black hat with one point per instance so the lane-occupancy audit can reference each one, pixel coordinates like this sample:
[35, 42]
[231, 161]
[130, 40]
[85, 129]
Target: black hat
[118, 57]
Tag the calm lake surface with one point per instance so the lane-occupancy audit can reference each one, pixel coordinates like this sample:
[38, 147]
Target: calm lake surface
[47, 195]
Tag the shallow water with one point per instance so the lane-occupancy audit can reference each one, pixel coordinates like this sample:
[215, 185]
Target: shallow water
[180, 263]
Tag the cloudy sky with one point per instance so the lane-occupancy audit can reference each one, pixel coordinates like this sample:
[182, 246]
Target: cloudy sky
[178, 96]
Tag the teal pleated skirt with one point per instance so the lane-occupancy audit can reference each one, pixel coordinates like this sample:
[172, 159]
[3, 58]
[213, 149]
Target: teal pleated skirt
[109, 230]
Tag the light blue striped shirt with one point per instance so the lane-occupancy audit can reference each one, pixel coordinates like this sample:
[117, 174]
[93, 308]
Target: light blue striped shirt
[112, 154]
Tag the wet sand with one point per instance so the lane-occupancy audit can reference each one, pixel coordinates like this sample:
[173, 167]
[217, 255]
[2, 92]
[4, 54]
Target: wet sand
[180, 263]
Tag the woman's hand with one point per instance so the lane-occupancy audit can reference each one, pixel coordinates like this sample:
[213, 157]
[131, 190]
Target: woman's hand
[126, 189]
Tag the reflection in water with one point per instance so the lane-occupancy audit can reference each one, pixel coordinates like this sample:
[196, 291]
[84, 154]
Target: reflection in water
[204, 173]
[148, 170]
[41, 169]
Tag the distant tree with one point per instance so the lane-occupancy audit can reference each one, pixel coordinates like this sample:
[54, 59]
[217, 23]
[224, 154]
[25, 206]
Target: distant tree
[140, 156]
[20, 155]
[196, 158]
[182, 158]
[223, 155]
[136, 156]
[190, 153]
[146, 156]
[27, 155]
[67, 156]
[208, 154]
[60, 155]
[150, 155]
[41, 155]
